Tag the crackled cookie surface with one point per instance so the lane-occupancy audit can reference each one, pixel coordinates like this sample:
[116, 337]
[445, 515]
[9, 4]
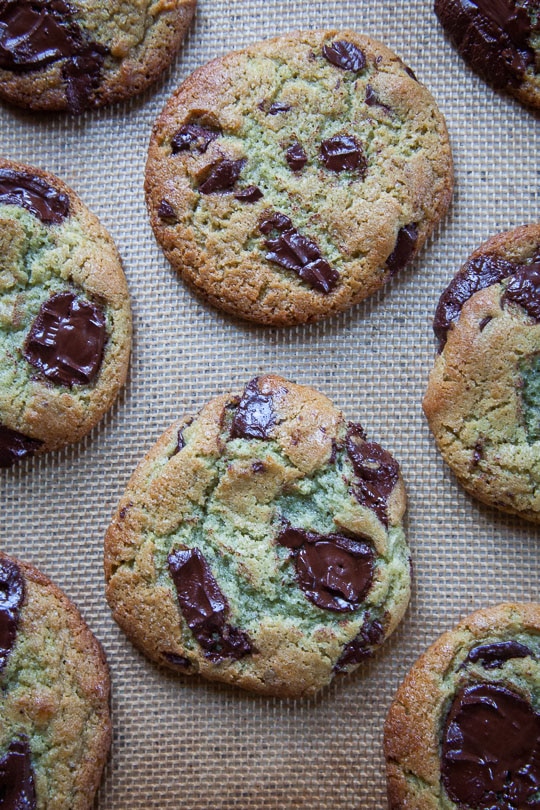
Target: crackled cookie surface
[500, 40]
[58, 55]
[290, 180]
[261, 543]
[65, 322]
[54, 713]
[464, 728]
[483, 397]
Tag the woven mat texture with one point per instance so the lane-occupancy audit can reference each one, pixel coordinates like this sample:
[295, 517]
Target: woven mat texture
[181, 742]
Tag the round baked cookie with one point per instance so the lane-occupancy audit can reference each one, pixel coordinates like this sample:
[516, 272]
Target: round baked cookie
[55, 728]
[499, 40]
[464, 728]
[58, 55]
[292, 179]
[483, 397]
[261, 543]
[65, 319]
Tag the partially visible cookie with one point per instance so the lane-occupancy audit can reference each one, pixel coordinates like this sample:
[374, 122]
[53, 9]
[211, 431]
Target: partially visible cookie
[499, 40]
[292, 179]
[464, 728]
[261, 544]
[55, 728]
[58, 55]
[65, 319]
[483, 397]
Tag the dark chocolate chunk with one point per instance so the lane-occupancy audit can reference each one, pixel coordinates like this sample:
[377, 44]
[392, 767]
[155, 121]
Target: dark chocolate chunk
[410, 72]
[524, 289]
[334, 572]
[222, 176]
[177, 660]
[278, 107]
[484, 322]
[343, 153]
[14, 446]
[372, 99]
[345, 55]
[255, 415]
[249, 194]
[11, 599]
[490, 757]
[361, 647]
[17, 788]
[492, 36]
[36, 195]
[66, 340]
[404, 248]
[35, 33]
[194, 137]
[493, 656]
[275, 219]
[376, 472]
[296, 157]
[258, 467]
[478, 452]
[205, 608]
[166, 211]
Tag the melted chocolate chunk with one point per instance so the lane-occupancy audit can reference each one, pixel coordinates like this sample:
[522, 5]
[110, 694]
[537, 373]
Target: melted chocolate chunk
[255, 415]
[344, 55]
[343, 153]
[377, 473]
[296, 157]
[66, 340]
[361, 647]
[249, 194]
[274, 220]
[11, 599]
[491, 749]
[222, 177]
[334, 572]
[194, 137]
[36, 195]
[278, 107]
[17, 788]
[493, 656]
[205, 608]
[492, 36]
[15, 446]
[177, 660]
[166, 211]
[524, 289]
[404, 248]
[35, 33]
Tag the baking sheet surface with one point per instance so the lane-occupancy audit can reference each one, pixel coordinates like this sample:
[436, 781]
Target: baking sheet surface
[181, 742]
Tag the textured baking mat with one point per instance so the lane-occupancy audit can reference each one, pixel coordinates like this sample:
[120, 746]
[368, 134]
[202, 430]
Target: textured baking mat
[180, 742]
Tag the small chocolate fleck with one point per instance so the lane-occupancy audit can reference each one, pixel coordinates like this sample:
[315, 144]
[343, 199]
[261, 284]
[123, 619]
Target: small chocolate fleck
[296, 156]
[255, 415]
[404, 248]
[17, 787]
[35, 194]
[478, 453]
[278, 107]
[361, 647]
[343, 153]
[249, 194]
[524, 289]
[344, 55]
[193, 137]
[124, 510]
[493, 656]
[258, 467]
[181, 442]
[222, 176]
[484, 322]
[15, 446]
[410, 72]
[177, 660]
[377, 473]
[11, 599]
[166, 211]
[66, 340]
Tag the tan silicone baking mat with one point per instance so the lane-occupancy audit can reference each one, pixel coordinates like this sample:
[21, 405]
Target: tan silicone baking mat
[181, 742]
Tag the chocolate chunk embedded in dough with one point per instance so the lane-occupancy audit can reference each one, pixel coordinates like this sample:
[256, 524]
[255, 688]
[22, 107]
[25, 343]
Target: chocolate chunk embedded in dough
[17, 788]
[255, 415]
[35, 194]
[404, 248]
[296, 156]
[524, 289]
[493, 656]
[222, 176]
[345, 55]
[11, 599]
[343, 153]
[15, 446]
[194, 138]
[376, 472]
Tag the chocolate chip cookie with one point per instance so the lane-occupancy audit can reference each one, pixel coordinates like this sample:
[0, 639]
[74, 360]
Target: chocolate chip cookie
[65, 321]
[290, 180]
[499, 40]
[56, 55]
[464, 728]
[54, 714]
[260, 543]
[483, 397]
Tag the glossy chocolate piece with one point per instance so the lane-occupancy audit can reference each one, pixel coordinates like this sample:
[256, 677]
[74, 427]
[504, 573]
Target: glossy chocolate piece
[255, 416]
[490, 754]
[343, 153]
[35, 33]
[17, 788]
[15, 446]
[376, 472]
[205, 608]
[334, 571]
[179, 661]
[524, 289]
[404, 248]
[66, 340]
[493, 656]
[193, 137]
[222, 177]
[11, 599]
[361, 647]
[345, 55]
[492, 36]
[33, 193]
[166, 212]
[250, 194]
[296, 157]
[274, 219]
